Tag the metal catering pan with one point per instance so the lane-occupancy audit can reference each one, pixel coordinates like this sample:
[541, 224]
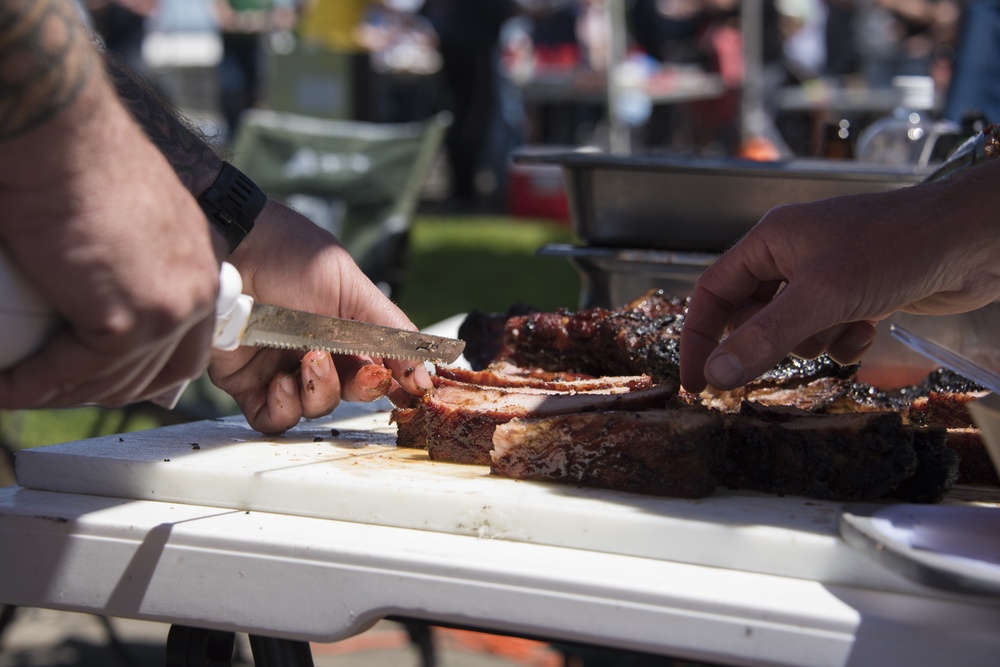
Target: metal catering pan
[611, 277]
[698, 204]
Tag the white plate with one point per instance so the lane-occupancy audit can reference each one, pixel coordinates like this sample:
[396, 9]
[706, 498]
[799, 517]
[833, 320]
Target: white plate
[951, 547]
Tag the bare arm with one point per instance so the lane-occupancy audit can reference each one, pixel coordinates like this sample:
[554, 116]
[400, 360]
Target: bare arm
[77, 175]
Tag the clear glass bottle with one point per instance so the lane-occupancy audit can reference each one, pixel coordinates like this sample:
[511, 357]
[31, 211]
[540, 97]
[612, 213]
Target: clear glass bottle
[837, 141]
[899, 138]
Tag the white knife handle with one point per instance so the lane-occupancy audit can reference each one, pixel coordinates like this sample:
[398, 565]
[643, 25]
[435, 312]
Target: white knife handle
[232, 311]
[26, 320]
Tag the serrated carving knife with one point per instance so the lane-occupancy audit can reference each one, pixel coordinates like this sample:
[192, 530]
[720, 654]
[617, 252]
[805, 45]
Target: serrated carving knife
[240, 320]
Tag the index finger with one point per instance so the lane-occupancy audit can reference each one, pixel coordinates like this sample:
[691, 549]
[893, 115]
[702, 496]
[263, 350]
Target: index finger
[411, 374]
[720, 292]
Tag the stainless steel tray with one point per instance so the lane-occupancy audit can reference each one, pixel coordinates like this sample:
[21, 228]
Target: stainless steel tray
[697, 204]
[611, 277]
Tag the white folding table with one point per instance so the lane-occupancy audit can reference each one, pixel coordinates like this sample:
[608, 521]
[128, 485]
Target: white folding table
[315, 535]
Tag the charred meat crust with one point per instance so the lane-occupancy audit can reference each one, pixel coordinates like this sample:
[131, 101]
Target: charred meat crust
[842, 457]
[975, 465]
[688, 453]
[640, 338]
[659, 452]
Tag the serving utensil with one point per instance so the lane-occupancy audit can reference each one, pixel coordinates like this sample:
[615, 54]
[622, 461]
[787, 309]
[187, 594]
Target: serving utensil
[947, 358]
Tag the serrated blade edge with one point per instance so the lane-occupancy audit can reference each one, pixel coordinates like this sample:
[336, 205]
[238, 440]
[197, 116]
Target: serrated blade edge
[286, 328]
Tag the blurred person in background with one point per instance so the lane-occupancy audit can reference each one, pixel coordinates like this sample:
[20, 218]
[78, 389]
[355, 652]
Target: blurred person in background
[468, 35]
[553, 46]
[243, 27]
[333, 25]
[974, 88]
[554, 31]
[670, 30]
[121, 25]
[903, 37]
[842, 58]
[802, 24]
[708, 34]
[402, 47]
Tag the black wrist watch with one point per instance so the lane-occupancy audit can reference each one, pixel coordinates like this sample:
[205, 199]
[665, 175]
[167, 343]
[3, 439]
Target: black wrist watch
[232, 203]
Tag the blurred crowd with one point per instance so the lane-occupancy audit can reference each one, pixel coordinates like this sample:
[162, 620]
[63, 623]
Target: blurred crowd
[405, 59]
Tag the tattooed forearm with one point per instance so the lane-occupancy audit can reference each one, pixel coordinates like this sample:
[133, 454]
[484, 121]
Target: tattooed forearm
[45, 61]
[190, 154]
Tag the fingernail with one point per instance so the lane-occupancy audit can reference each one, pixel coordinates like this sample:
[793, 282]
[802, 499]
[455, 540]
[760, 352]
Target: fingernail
[288, 386]
[321, 366]
[724, 371]
[423, 381]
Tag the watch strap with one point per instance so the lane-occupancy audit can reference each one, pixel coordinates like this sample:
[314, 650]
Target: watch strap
[232, 203]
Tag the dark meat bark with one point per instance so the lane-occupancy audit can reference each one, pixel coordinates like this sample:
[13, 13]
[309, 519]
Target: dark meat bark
[945, 384]
[975, 465]
[455, 420]
[640, 338]
[660, 452]
[939, 402]
[821, 394]
[687, 452]
[937, 464]
[937, 468]
[863, 448]
[411, 426]
[825, 387]
[947, 409]
[835, 457]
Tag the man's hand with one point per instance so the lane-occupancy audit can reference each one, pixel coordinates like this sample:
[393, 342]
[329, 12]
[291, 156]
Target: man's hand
[814, 278]
[289, 261]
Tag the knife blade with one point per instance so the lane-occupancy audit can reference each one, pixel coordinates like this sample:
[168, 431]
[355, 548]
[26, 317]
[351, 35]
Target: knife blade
[241, 320]
[274, 326]
[947, 357]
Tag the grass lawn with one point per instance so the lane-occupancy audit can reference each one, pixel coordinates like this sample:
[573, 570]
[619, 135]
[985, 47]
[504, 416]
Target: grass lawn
[457, 264]
[485, 262]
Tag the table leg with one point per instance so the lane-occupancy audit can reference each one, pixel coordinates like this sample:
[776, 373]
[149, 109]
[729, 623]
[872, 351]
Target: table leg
[270, 652]
[196, 647]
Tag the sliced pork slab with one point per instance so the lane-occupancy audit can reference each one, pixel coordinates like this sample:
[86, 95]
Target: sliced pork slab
[454, 421]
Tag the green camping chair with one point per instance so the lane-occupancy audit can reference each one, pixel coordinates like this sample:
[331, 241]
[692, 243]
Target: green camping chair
[360, 181]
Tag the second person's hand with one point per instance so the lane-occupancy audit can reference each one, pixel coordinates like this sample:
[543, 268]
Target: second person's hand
[815, 278]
